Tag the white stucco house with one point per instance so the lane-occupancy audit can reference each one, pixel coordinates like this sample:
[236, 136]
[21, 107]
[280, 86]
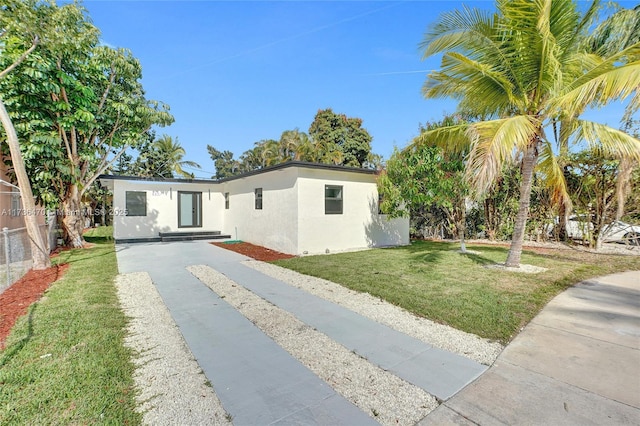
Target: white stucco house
[295, 207]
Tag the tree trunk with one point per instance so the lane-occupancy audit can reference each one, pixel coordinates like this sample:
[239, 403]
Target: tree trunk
[39, 253]
[72, 219]
[563, 217]
[528, 164]
[462, 227]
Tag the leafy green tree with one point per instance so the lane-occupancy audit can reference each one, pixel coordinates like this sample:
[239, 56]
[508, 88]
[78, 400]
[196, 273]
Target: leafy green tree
[337, 133]
[252, 159]
[522, 69]
[339, 140]
[25, 26]
[424, 176]
[500, 204]
[163, 158]
[79, 106]
[226, 166]
[592, 180]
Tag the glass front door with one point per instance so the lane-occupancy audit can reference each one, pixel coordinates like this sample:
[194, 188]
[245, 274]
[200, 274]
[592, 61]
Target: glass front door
[189, 209]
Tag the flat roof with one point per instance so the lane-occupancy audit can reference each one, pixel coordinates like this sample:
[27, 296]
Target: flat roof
[301, 164]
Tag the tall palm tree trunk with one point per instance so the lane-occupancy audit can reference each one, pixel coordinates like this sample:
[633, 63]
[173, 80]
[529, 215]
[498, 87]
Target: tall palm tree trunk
[528, 163]
[39, 252]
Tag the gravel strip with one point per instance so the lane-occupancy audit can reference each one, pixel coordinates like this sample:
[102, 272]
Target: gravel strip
[172, 389]
[438, 335]
[384, 396]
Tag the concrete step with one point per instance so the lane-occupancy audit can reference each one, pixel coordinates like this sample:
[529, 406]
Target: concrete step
[187, 233]
[192, 236]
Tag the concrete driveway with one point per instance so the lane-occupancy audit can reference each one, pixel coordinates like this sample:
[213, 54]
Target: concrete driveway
[576, 363]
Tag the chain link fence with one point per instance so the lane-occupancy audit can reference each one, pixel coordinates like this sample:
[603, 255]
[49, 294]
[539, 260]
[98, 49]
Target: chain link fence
[15, 252]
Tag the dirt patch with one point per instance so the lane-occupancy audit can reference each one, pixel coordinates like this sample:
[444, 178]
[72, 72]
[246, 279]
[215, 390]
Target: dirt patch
[15, 300]
[256, 252]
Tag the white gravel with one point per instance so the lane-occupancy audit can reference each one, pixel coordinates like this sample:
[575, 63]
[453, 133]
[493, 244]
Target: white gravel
[384, 396]
[172, 389]
[441, 336]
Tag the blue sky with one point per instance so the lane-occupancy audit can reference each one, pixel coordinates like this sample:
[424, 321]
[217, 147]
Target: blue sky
[236, 72]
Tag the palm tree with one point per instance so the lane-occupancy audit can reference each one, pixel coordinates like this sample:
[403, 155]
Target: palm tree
[168, 158]
[521, 70]
[294, 145]
[270, 152]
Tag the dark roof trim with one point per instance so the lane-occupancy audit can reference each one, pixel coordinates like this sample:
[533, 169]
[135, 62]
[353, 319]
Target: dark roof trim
[153, 179]
[288, 164]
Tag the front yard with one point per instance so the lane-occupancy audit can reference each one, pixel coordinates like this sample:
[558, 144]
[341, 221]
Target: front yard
[433, 280]
[65, 362]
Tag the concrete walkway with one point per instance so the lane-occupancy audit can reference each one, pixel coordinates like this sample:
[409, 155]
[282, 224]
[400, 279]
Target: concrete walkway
[576, 363]
[256, 380]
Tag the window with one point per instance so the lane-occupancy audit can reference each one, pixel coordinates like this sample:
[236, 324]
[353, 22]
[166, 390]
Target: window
[15, 202]
[380, 200]
[226, 201]
[258, 194]
[332, 199]
[136, 203]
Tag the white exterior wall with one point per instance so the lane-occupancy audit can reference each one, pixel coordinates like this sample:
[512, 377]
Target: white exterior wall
[162, 208]
[359, 226]
[292, 219]
[276, 225]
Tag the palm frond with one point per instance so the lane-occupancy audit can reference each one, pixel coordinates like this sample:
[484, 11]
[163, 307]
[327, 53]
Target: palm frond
[458, 29]
[471, 32]
[553, 176]
[609, 141]
[453, 139]
[464, 77]
[549, 68]
[494, 143]
[604, 82]
[619, 31]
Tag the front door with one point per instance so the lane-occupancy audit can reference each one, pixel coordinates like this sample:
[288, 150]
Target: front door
[189, 209]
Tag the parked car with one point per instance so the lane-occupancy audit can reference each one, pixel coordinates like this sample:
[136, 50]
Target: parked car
[618, 231]
[579, 227]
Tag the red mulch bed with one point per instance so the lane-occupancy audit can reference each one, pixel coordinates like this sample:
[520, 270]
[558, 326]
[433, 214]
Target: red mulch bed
[15, 300]
[256, 252]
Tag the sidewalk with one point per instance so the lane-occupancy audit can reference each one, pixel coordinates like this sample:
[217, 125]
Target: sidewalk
[576, 363]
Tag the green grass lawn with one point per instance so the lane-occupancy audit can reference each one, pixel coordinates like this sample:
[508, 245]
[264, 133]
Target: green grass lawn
[65, 362]
[432, 280]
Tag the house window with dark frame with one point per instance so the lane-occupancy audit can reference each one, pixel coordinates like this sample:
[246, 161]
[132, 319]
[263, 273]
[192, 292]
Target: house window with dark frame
[332, 199]
[136, 203]
[258, 196]
[226, 201]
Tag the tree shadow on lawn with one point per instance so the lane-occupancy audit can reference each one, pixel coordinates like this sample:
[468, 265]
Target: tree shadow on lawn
[98, 240]
[15, 347]
[434, 251]
[80, 254]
